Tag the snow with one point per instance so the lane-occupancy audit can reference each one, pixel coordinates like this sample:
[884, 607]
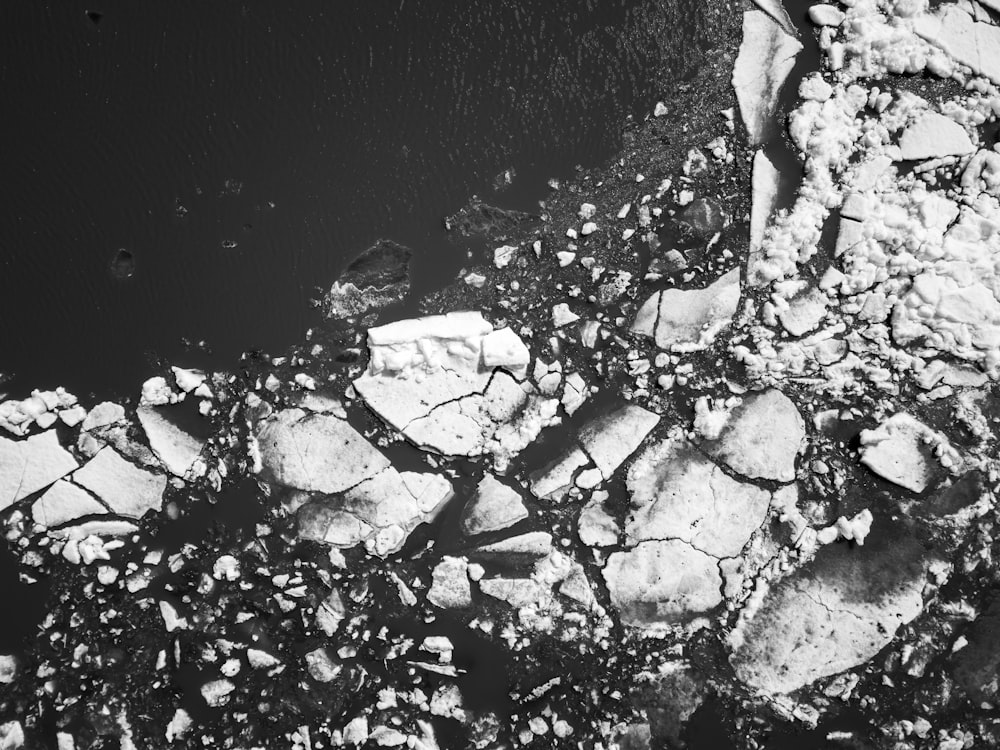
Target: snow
[766, 57]
[504, 348]
[766, 180]
[806, 307]
[127, 489]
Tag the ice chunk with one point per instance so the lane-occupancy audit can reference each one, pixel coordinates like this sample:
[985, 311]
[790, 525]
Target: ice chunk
[379, 277]
[690, 319]
[187, 380]
[613, 437]
[27, 466]
[776, 10]
[103, 415]
[534, 544]
[901, 450]
[933, 136]
[450, 588]
[834, 614]
[316, 452]
[661, 582]
[556, 478]
[495, 506]
[596, 527]
[176, 448]
[766, 57]
[761, 438]
[826, 15]
[64, 502]
[127, 489]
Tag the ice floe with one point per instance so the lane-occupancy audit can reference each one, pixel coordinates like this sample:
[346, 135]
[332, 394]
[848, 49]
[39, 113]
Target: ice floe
[906, 452]
[452, 384]
[766, 57]
[690, 319]
[495, 506]
[27, 466]
[835, 613]
[128, 490]
[176, 448]
[761, 437]
[662, 582]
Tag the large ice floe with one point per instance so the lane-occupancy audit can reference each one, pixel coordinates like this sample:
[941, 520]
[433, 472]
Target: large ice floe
[452, 384]
[353, 493]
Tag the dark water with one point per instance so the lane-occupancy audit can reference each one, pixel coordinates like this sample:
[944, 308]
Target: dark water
[241, 153]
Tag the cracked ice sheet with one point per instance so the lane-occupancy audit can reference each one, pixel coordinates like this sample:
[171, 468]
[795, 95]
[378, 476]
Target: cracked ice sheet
[64, 502]
[27, 466]
[316, 452]
[969, 42]
[677, 493]
[834, 614]
[690, 319]
[766, 57]
[450, 384]
[612, 438]
[380, 512]
[129, 490]
[761, 438]
[661, 582]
